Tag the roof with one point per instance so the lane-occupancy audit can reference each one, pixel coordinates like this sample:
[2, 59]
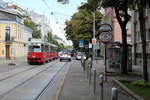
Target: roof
[10, 12]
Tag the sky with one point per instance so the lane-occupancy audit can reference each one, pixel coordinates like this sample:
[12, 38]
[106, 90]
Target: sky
[62, 12]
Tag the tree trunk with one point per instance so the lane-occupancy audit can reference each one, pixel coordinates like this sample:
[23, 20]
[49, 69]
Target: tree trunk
[143, 38]
[124, 41]
[124, 50]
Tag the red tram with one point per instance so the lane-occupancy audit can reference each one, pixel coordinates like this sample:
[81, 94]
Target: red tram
[40, 52]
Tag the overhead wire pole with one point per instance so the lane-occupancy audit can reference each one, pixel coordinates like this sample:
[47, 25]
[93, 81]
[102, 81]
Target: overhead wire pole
[93, 35]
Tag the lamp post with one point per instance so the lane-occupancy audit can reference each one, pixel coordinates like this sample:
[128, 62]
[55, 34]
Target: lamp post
[94, 39]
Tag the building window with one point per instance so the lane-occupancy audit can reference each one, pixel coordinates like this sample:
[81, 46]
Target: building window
[7, 33]
[3, 52]
[138, 37]
[148, 34]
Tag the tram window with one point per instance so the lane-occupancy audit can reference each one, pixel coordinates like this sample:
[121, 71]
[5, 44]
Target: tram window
[34, 49]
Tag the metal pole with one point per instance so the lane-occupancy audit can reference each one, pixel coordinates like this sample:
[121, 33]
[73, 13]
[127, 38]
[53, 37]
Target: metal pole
[90, 76]
[114, 94]
[94, 81]
[87, 70]
[93, 35]
[101, 87]
[105, 63]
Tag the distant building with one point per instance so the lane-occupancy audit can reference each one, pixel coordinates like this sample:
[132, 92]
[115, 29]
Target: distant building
[42, 22]
[136, 36]
[58, 39]
[13, 35]
[110, 17]
[16, 8]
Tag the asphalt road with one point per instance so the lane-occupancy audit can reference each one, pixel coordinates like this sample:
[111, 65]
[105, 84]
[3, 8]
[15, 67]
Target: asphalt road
[30, 82]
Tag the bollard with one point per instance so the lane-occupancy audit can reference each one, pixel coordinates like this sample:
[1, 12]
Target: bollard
[90, 75]
[94, 81]
[114, 94]
[101, 87]
[84, 65]
[87, 69]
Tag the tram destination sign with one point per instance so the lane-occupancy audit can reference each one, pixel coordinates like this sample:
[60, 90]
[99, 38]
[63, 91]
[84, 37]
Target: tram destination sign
[105, 37]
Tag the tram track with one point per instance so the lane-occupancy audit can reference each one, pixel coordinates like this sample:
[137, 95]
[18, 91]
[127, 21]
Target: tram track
[9, 74]
[19, 81]
[49, 84]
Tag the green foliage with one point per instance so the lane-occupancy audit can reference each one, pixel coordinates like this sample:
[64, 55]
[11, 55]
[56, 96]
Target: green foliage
[50, 37]
[51, 40]
[61, 46]
[80, 27]
[142, 91]
[68, 47]
[30, 24]
[141, 83]
[36, 33]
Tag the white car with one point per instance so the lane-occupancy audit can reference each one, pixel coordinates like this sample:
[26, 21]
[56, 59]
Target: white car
[79, 56]
[65, 56]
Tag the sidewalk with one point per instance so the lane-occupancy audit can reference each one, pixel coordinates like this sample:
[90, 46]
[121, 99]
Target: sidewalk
[76, 85]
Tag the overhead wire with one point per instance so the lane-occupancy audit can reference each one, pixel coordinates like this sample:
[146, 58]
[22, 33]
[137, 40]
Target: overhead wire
[53, 13]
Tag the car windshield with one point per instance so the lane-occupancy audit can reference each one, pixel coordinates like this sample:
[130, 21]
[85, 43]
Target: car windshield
[80, 53]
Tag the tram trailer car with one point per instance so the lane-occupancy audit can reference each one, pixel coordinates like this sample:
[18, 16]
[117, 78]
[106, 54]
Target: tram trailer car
[40, 52]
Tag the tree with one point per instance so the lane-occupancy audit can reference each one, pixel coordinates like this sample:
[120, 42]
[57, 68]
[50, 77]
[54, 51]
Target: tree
[141, 6]
[49, 37]
[121, 9]
[36, 33]
[80, 25]
[61, 46]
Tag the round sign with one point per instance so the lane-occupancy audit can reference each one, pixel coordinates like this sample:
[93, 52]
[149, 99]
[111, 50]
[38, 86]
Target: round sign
[105, 37]
[105, 27]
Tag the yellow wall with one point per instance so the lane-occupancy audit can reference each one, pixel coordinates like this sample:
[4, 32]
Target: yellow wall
[2, 50]
[17, 47]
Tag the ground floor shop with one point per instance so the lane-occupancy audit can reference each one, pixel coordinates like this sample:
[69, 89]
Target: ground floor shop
[12, 50]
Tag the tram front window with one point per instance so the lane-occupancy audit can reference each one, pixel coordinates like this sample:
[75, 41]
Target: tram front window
[34, 49]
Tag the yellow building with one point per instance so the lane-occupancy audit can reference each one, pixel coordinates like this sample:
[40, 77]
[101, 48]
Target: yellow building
[13, 35]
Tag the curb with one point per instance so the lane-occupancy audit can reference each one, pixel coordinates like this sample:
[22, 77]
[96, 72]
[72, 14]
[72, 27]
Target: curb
[127, 91]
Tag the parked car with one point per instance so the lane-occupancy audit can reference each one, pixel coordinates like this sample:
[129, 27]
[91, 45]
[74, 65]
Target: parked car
[79, 55]
[65, 56]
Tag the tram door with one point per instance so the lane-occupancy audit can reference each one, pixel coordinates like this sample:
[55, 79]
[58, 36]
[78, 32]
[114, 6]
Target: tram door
[7, 52]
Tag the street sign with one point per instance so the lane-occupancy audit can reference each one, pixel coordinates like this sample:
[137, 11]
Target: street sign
[93, 40]
[105, 27]
[105, 37]
[81, 43]
[90, 45]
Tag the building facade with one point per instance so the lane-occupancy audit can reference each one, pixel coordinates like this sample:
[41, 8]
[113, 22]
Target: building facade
[136, 36]
[42, 21]
[2, 4]
[110, 17]
[13, 35]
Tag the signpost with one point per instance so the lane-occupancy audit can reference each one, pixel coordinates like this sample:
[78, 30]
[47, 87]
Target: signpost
[105, 37]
